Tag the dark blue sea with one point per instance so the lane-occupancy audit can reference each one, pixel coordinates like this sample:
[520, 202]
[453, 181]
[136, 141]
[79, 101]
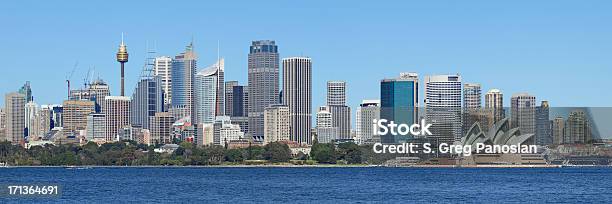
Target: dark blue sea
[317, 185]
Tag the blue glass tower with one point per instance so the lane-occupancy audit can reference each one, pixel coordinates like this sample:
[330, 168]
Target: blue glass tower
[399, 103]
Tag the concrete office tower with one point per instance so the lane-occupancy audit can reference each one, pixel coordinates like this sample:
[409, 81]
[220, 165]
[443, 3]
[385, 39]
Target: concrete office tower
[162, 68]
[147, 98]
[336, 93]
[399, 103]
[336, 101]
[443, 107]
[297, 95]
[98, 90]
[543, 132]
[14, 107]
[263, 68]
[367, 112]
[96, 127]
[161, 128]
[46, 121]
[220, 93]
[26, 90]
[117, 110]
[229, 97]
[74, 115]
[523, 107]
[204, 134]
[183, 77]
[206, 82]
[558, 130]
[472, 96]
[326, 133]
[276, 124]
[577, 128]
[224, 131]
[494, 100]
[31, 120]
[2, 124]
[122, 58]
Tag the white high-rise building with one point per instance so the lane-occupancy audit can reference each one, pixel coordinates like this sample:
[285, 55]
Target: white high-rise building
[336, 101]
[326, 133]
[32, 120]
[523, 107]
[297, 95]
[206, 95]
[472, 96]
[336, 93]
[163, 69]
[117, 110]
[225, 131]
[276, 124]
[443, 107]
[367, 112]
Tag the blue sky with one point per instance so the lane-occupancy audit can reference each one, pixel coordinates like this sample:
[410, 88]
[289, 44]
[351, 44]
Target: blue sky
[559, 50]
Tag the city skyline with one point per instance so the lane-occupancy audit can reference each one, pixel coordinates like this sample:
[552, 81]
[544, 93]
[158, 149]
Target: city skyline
[488, 51]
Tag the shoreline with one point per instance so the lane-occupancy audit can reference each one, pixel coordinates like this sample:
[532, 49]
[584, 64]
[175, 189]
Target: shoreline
[319, 166]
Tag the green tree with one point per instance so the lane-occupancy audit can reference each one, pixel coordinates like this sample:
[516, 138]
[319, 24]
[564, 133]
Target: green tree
[323, 153]
[277, 152]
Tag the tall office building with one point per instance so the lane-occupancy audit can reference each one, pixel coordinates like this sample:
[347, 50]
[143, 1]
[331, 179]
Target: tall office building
[46, 121]
[162, 68]
[206, 87]
[558, 130]
[74, 115]
[577, 128]
[147, 98]
[32, 121]
[367, 112]
[117, 111]
[229, 97]
[2, 124]
[399, 103]
[471, 96]
[183, 77]
[122, 58]
[276, 124]
[523, 107]
[543, 125]
[220, 93]
[326, 133]
[26, 90]
[14, 107]
[494, 101]
[161, 128]
[263, 85]
[341, 114]
[336, 93]
[96, 127]
[239, 101]
[297, 95]
[98, 90]
[443, 107]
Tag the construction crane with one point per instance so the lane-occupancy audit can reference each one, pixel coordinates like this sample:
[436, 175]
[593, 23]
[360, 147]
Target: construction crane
[69, 75]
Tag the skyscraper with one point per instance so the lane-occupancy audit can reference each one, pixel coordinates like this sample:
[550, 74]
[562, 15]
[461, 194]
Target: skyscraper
[161, 128]
[297, 95]
[14, 107]
[276, 124]
[399, 103]
[494, 101]
[263, 67]
[32, 121]
[147, 98]
[523, 108]
[543, 125]
[98, 89]
[26, 90]
[96, 127]
[117, 111]
[74, 115]
[341, 113]
[122, 58]
[163, 70]
[239, 101]
[558, 130]
[471, 96]
[206, 83]
[220, 93]
[577, 128]
[326, 133]
[443, 107]
[183, 76]
[229, 97]
[367, 112]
